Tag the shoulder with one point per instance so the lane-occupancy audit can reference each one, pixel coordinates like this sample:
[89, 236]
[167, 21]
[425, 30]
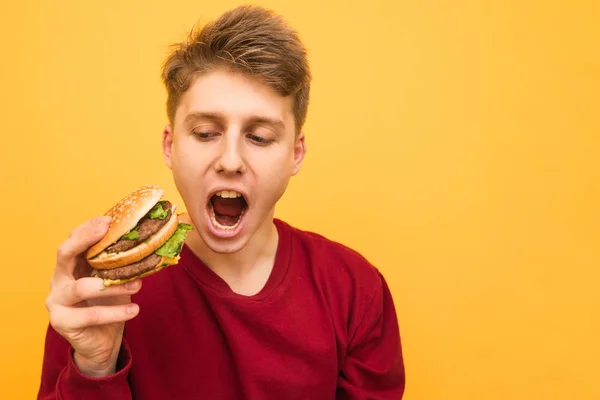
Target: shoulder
[353, 289]
[341, 266]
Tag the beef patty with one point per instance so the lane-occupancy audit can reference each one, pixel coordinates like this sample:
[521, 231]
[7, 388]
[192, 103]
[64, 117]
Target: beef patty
[147, 228]
[130, 270]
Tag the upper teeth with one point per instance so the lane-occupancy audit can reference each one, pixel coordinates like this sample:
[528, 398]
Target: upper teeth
[228, 194]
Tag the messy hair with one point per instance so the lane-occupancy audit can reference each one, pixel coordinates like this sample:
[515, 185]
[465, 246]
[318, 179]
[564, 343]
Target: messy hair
[248, 39]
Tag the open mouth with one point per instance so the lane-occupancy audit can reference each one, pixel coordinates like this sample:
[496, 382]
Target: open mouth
[226, 209]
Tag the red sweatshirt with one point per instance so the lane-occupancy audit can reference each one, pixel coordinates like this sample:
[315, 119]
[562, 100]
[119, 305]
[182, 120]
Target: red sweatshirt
[323, 327]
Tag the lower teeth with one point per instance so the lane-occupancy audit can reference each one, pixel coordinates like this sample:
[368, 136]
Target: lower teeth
[213, 218]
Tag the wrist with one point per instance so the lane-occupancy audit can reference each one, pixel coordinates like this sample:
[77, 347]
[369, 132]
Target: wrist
[93, 369]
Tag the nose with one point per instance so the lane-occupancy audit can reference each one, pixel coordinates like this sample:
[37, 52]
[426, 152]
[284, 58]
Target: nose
[230, 159]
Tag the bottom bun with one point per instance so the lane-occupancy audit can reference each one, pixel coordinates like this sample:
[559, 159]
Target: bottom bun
[166, 262]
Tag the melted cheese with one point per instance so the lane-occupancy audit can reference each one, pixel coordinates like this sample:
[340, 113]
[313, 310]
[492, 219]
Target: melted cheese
[168, 261]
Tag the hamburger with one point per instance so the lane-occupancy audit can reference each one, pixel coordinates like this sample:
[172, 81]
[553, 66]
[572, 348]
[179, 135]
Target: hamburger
[144, 237]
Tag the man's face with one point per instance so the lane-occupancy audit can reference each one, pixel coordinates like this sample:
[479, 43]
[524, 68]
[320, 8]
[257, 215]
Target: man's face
[232, 135]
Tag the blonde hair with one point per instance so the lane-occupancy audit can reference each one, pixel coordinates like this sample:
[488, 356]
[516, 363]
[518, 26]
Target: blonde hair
[248, 39]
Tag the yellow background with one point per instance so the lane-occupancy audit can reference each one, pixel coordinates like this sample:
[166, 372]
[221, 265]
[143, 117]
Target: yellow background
[453, 143]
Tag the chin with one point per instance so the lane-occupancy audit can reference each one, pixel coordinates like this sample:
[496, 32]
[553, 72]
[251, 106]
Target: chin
[229, 246]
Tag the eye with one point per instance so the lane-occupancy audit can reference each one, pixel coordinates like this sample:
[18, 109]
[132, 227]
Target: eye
[259, 140]
[205, 136]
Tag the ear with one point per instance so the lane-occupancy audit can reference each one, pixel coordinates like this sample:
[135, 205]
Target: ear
[167, 144]
[299, 152]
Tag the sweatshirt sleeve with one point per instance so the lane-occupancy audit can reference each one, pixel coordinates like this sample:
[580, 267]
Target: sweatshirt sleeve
[374, 366]
[62, 380]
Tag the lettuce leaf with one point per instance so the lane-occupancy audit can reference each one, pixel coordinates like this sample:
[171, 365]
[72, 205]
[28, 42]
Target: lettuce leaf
[158, 212]
[173, 246]
[132, 235]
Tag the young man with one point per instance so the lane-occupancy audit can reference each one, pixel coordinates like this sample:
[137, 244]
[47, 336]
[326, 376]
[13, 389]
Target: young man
[256, 309]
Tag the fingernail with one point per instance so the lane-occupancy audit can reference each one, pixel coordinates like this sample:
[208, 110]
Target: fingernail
[132, 309]
[105, 221]
[102, 219]
[101, 224]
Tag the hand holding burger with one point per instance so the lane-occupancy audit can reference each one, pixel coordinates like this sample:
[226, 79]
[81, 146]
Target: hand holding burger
[143, 237]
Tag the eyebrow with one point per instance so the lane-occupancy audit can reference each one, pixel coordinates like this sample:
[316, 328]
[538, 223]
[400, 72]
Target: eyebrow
[211, 116]
[197, 115]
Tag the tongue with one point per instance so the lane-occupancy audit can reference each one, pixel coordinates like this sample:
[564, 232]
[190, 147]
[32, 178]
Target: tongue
[228, 207]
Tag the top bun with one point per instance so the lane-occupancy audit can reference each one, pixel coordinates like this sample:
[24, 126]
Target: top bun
[126, 214]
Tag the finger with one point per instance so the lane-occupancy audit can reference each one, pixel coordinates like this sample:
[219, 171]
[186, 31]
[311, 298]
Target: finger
[65, 319]
[80, 239]
[91, 288]
[90, 222]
